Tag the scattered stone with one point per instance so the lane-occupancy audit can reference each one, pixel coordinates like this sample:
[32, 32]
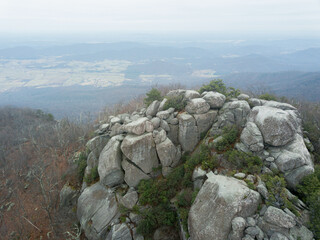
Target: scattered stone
[130, 199]
[240, 175]
[243, 96]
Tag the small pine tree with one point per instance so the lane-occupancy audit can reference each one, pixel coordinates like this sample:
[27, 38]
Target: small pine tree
[152, 95]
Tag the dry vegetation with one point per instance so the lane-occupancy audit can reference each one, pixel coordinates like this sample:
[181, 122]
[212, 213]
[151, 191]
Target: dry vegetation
[34, 154]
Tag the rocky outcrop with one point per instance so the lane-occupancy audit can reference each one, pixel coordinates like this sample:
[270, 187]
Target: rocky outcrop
[134, 147]
[219, 201]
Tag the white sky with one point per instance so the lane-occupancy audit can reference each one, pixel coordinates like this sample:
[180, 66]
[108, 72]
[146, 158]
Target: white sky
[159, 15]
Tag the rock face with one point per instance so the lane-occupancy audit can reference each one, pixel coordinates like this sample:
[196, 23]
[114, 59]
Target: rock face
[141, 151]
[188, 132]
[220, 199]
[110, 171]
[97, 208]
[278, 127]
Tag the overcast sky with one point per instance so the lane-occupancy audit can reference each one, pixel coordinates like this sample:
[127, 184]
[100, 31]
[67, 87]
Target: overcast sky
[159, 15]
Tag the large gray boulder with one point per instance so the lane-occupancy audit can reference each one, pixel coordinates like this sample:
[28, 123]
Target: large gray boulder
[141, 151]
[197, 106]
[252, 137]
[205, 120]
[68, 196]
[137, 127]
[188, 132]
[97, 208]
[219, 201]
[279, 218]
[235, 112]
[278, 127]
[173, 134]
[168, 153]
[120, 231]
[215, 99]
[191, 94]
[153, 108]
[97, 143]
[133, 175]
[293, 160]
[109, 167]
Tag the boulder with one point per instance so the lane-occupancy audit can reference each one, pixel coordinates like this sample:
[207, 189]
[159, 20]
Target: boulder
[188, 132]
[215, 99]
[278, 127]
[173, 134]
[161, 106]
[109, 167]
[205, 121]
[165, 114]
[141, 151]
[120, 232]
[97, 143]
[155, 122]
[280, 105]
[252, 137]
[235, 112]
[279, 218]
[159, 136]
[137, 127]
[198, 106]
[97, 208]
[278, 236]
[293, 160]
[219, 201]
[167, 153]
[243, 96]
[301, 232]
[191, 94]
[133, 175]
[68, 196]
[238, 225]
[129, 199]
[153, 108]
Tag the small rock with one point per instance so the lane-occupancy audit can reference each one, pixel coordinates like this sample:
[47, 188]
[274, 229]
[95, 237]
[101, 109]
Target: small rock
[240, 175]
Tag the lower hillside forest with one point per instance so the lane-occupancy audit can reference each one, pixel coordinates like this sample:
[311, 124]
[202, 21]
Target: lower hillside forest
[39, 155]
